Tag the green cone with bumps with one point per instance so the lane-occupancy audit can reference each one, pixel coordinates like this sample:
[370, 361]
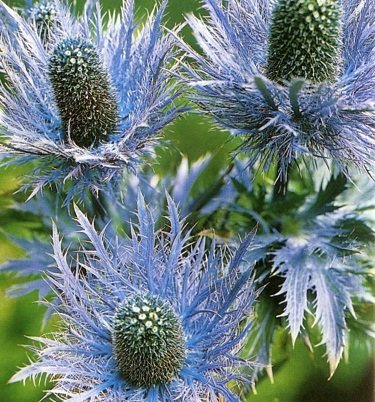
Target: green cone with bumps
[83, 92]
[148, 341]
[305, 40]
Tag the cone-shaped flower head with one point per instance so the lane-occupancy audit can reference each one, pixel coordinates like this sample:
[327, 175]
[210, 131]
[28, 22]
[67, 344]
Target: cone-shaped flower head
[88, 99]
[83, 93]
[154, 317]
[293, 78]
[43, 13]
[305, 40]
[148, 341]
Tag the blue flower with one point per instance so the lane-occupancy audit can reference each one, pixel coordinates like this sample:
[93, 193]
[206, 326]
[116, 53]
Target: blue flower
[152, 317]
[84, 100]
[278, 97]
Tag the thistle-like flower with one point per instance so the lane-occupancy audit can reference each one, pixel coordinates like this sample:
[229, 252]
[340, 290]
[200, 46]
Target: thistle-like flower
[43, 15]
[84, 102]
[155, 317]
[293, 78]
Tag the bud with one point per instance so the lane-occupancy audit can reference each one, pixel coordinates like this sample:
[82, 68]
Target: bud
[148, 341]
[83, 93]
[305, 40]
[43, 14]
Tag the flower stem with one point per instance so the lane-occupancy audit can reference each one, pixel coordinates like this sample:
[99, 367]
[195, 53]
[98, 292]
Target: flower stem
[98, 206]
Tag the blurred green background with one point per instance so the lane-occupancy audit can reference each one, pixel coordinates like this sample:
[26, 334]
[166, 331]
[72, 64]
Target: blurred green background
[302, 378]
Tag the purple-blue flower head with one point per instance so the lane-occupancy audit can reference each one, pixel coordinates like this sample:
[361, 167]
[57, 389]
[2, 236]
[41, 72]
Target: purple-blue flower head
[84, 97]
[158, 316]
[293, 78]
[43, 14]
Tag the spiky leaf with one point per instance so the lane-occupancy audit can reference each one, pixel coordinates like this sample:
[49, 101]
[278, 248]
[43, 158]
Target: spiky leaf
[310, 265]
[326, 197]
[292, 259]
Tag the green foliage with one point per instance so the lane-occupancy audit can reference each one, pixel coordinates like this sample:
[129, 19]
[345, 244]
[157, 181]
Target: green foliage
[83, 93]
[325, 198]
[305, 40]
[17, 317]
[300, 376]
[148, 341]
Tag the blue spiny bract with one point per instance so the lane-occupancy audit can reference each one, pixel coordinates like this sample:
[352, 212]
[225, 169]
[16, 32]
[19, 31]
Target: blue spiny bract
[83, 93]
[148, 341]
[305, 40]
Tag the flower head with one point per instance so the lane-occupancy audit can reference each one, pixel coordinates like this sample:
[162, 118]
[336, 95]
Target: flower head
[156, 317]
[305, 94]
[305, 40]
[43, 15]
[148, 341]
[84, 102]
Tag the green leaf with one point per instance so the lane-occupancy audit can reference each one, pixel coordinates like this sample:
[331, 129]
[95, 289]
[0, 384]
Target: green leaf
[267, 95]
[294, 90]
[324, 201]
[357, 230]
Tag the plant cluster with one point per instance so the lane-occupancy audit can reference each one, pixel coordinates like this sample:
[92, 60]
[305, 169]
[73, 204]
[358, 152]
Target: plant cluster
[174, 286]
